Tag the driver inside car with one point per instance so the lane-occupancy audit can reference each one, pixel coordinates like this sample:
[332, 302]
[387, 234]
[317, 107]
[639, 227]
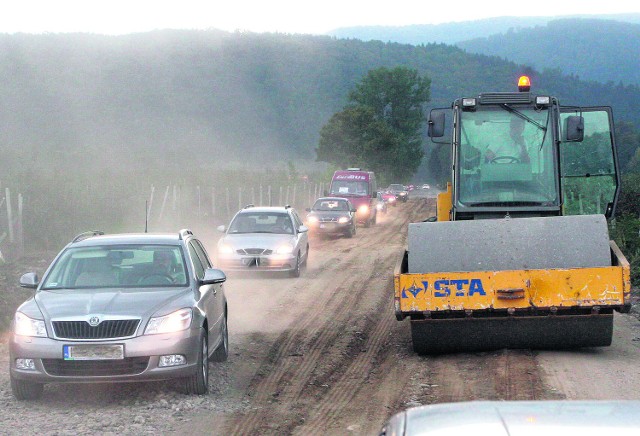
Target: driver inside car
[513, 149]
[161, 269]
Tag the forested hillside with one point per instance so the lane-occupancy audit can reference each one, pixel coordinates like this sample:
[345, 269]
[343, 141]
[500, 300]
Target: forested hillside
[598, 50]
[88, 123]
[147, 99]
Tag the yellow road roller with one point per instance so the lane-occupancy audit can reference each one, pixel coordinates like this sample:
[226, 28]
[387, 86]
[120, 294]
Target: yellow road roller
[518, 254]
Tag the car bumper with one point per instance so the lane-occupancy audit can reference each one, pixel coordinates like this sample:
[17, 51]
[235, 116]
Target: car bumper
[258, 263]
[140, 363]
[331, 227]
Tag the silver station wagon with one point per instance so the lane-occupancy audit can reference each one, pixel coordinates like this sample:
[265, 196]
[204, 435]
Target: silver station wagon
[121, 308]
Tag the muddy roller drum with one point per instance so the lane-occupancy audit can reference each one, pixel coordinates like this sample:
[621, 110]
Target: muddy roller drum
[540, 283]
[542, 332]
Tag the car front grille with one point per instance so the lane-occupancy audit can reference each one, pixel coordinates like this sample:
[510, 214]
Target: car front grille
[254, 251]
[108, 329]
[95, 368]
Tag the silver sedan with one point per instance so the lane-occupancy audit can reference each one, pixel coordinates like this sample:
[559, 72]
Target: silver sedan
[121, 308]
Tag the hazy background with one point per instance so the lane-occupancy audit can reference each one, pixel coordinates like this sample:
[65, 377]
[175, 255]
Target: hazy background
[91, 124]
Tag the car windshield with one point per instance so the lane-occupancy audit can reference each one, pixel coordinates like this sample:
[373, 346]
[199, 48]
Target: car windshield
[110, 266]
[349, 187]
[261, 222]
[331, 205]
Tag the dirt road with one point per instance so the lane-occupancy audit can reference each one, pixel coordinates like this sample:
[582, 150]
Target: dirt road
[325, 355]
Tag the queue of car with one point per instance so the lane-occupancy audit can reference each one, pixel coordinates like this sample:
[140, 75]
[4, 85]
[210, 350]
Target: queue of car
[145, 307]
[121, 308]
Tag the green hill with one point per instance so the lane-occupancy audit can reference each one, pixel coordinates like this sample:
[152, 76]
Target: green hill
[598, 50]
[253, 97]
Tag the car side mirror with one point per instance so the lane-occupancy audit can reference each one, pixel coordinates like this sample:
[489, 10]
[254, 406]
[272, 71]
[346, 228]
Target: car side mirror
[303, 229]
[308, 209]
[29, 280]
[353, 209]
[222, 228]
[213, 276]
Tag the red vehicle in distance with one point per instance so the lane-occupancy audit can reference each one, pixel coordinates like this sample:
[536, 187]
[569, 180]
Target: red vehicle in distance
[359, 187]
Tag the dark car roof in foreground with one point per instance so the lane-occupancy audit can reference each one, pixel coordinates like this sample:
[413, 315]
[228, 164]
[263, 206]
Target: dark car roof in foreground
[130, 238]
[519, 418]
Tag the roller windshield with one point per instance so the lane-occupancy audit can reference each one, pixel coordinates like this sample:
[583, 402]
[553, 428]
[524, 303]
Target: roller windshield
[506, 158]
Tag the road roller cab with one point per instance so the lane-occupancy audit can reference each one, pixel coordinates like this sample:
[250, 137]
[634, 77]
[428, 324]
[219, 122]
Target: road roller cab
[518, 254]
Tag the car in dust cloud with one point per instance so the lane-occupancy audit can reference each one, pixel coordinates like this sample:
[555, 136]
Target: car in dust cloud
[332, 216]
[121, 308]
[400, 191]
[518, 418]
[266, 238]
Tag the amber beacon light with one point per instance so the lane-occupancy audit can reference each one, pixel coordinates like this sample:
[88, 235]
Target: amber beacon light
[524, 84]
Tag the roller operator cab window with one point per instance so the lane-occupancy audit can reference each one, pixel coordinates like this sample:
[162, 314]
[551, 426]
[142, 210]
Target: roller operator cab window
[506, 158]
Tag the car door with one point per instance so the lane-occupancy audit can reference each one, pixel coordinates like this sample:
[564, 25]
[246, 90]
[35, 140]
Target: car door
[209, 301]
[302, 237]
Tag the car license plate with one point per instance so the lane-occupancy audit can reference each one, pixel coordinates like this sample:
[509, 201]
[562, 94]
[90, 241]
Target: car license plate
[251, 261]
[93, 352]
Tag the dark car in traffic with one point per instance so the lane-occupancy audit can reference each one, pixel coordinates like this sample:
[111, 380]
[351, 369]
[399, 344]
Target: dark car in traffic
[332, 216]
[121, 308]
[400, 191]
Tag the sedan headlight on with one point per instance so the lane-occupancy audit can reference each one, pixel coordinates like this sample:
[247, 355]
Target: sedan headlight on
[225, 249]
[174, 322]
[343, 220]
[363, 209]
[312, 219]
[284, 249]
[26, 326]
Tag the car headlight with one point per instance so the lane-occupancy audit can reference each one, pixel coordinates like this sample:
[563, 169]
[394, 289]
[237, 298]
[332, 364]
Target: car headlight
[379, 206]
[225, 249]
[25, 326]
[174, 322]
[343, 220]
[363, 209]
[392, 199]
[284, 249]
[312, 219]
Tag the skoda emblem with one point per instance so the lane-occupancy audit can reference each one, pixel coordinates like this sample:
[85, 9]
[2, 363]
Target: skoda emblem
[94, 321]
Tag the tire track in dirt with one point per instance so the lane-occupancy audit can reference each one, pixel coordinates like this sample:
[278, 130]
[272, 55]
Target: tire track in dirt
[313, 333]
[357, 372]
[318, 334]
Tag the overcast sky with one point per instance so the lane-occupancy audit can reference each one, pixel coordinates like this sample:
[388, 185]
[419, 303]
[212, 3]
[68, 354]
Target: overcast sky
[285, 16]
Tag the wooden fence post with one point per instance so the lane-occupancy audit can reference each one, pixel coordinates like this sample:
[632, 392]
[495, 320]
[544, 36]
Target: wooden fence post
[7, 195]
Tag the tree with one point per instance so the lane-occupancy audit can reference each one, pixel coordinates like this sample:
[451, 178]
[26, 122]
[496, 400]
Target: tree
[381, 127]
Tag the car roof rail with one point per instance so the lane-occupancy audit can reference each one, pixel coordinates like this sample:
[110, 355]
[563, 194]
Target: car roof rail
[287, 206]
[184, 233]
[84, 235]
[248, 206]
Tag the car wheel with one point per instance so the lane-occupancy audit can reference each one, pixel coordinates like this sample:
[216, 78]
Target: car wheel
[306, 259]
[198, 383]
[222, 352]
[25, 390]
[295, 272]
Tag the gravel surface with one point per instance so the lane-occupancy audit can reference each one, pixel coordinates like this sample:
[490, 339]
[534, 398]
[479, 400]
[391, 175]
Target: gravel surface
[110, 409]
